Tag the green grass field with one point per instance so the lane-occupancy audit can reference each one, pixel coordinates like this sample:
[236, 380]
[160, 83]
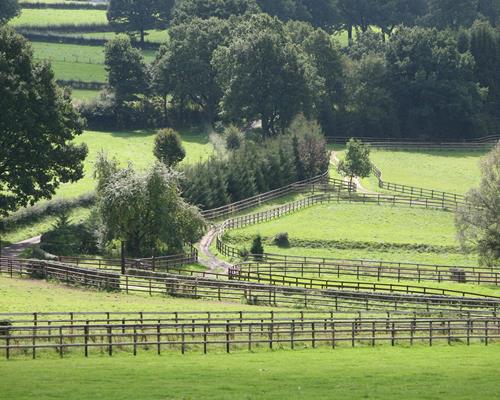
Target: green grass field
[134, 146]
[40, 296]
[84, 95]
[77, 62]
[449, 171]
[440, 372]
[48, 17]
[361, 223]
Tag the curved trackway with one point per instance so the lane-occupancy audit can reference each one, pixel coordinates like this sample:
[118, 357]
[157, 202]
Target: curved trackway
[14, 250]
[210, 260]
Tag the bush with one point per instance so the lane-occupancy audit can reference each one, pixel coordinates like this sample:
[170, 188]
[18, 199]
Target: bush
[168, 147]
[66, 239]
[244, 253]
[234, 137]
[281, 240]
[257, 249]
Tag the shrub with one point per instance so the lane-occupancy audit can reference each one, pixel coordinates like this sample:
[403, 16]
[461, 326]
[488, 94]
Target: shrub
[233, 137]
[67, 239]
[244, 253]
[257, 249]
[281, 240]
[168, 147]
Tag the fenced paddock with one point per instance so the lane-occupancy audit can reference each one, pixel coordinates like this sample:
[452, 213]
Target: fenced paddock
[272, 291]
[325, 267]
[199, 335]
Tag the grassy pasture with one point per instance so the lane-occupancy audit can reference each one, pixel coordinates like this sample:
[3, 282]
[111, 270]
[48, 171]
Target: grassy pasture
[48, 17]
[77, 62]
[452, 372]
[24, 295]
[133, 146]
[357, 222]
[79, 94]
[446, 170]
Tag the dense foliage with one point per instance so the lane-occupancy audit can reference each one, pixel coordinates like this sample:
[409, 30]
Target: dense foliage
[168, 147]
[255, 168]
[8, 10]
[37, 126]
[421, 69]
[478, 222]
[144, 209]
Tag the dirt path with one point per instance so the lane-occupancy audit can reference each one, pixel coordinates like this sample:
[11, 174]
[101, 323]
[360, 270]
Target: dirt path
[334, 159]
[14, 250]
[207, 258]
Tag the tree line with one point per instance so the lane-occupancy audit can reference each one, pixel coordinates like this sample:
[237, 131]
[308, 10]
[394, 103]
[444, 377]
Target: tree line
[420, 83]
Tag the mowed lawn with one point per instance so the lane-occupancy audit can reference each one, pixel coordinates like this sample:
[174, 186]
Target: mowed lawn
[439, 372]
[361, 223]
[133, 146]
[48, 17]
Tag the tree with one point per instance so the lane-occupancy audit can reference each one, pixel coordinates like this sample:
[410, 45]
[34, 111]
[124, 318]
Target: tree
[490, 9]
[136, 16]
[185, 10]
[451, 13]
[185, 70]
[371, 110]
[168, 147]
[357, 160]
[37, 126]
[126, 69]
[478, 221]
[261, 75]
[8, 10]
[257, 249]
[433, 85]
[391, 13]
[234, 137]
[355, 14]
[320, 13]
[144, 210]
[324, 72]
[485, 47]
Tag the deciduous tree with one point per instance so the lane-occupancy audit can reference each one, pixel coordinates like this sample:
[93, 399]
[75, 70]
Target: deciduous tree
[357, 160]
[8, 10]
[168, 147]
[478, 221]
[37, 126]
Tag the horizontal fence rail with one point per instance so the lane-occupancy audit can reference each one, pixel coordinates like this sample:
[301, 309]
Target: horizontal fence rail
[297, 187]
[458, 199]
[202, 336]
[389, 143]
[211, 286]
[399, 271]
[338, 197]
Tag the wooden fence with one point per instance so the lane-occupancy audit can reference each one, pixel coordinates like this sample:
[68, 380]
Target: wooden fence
[399, 271]
[308, 185]
[338, 197]
[475, 144]
[458, 199]
[61, 338]
[209, 286]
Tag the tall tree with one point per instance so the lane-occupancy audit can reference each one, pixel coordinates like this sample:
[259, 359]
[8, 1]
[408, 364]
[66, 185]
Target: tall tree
[126, 69]
[433, 85]
[451, 13]
[478, 221]
[490, 9]
[261, 75]
[136, 16]
[185, 10]
[8, 10]
[485, 47]
[355, 14]
[37, 126]
[390, 13]
[185, 67]
[144, 210]
[325, 74]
